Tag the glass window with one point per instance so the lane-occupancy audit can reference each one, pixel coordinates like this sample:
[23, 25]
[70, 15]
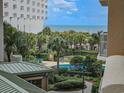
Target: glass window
[42, 5]
[28, 1]
[6, 5]
[14, 15]
[22, 15]
[14, 6]
[38, 17]
[38, 10]
[22, 8]
[38, 4]
[28, 9]
[33, 3]
[33, 9]
[22, 1]
[34, 17]
[6, 13]
[28, 16]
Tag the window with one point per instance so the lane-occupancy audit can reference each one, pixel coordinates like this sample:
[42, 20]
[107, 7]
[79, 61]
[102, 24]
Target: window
[22, 1]
[6, 5]
[28, 16]
[33, 9]
[22, 8]
[28, 9]
[14, 6]
[42, 5]
[33, 3]
[38, 11]
[42, 17]
[14, 15]
[28, 1]
[22, 15]
[6, 14]
[38, 17]
[46, 12]
[38, 4]
[45, 6]
[42, 11]
[34, 17]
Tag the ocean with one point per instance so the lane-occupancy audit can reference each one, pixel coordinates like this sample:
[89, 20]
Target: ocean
[80, 28]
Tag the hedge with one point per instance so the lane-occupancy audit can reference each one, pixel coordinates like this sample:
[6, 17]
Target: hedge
[68, 85]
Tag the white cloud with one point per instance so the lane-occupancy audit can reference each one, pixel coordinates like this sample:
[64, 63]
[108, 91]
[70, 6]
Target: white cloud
[56, 9]
[62, 4]
[68, 12]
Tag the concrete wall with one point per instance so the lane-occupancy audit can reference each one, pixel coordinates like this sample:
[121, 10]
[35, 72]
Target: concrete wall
[1, 30]
[116, 27]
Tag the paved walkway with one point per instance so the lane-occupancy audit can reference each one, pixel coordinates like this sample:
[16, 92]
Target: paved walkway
[87, 90]
[52, 63]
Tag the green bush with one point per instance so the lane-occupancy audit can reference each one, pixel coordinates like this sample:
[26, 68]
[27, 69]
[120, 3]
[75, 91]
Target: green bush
[63, 71]
[77, 60]
[59, 78]
[44, 56]
[95, 86]
[68, 85]
[89, 53]
[55, 78]
[30, 58]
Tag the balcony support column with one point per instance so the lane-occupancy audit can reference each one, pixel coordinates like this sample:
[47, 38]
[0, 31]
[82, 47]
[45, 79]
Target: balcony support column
[116, 27]
[1, 32]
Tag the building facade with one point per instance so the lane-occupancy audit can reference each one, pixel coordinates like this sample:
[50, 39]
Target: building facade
[113, 81]
[103, 46]
[25, 15]
[1, 31]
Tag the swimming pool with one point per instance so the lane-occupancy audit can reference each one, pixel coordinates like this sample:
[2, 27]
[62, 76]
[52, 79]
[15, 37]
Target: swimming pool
[70, 66]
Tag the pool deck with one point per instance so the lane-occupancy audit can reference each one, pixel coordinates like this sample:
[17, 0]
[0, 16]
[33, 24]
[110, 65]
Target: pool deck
[52, 63]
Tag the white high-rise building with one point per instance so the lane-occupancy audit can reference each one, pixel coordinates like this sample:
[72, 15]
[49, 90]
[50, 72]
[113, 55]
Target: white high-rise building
[25, 15]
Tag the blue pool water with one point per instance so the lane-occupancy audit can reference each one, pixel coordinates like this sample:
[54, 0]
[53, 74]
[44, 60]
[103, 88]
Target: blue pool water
[70, 66]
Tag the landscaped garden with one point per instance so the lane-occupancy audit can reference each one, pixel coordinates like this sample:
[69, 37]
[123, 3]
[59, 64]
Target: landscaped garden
[77, 48]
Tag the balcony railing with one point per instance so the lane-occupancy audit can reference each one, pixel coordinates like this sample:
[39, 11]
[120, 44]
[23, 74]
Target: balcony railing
[113, 79]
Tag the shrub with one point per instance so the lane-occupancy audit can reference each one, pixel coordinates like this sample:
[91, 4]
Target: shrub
[77, 60]
[89, 53]
[63, 71]
[30, 58]
[68, 85]
[59, 78]
[56, 78]
[95, 86]
[44, 56]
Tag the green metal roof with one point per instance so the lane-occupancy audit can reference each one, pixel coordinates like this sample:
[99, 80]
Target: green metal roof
[22, 68]
[12, 84]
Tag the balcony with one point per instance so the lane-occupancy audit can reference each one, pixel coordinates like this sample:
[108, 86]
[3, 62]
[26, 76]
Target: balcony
[113, 81]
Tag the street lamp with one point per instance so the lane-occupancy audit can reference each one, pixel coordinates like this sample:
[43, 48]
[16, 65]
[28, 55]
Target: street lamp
[83, 79]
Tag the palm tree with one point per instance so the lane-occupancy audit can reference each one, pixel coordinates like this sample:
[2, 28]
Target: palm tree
[9, 39]
[41, 39]
[46, 31]
[57, 45]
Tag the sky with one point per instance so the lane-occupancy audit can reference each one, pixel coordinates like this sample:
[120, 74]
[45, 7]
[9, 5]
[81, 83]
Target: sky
[76, 12]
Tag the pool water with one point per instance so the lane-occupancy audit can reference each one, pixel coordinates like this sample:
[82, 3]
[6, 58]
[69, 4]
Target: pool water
[70, 66]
